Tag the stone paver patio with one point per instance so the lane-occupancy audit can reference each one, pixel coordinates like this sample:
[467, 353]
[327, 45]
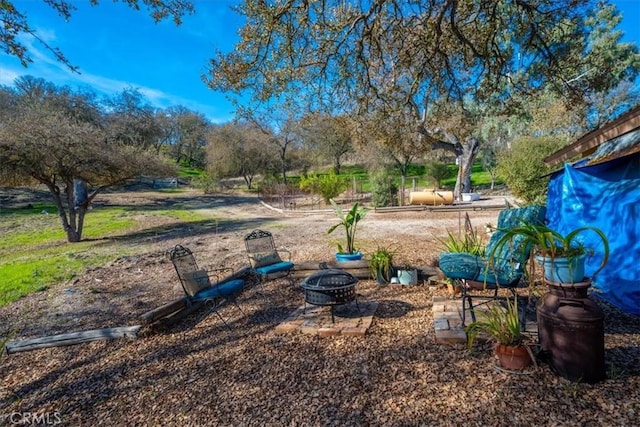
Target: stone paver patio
[316, 320]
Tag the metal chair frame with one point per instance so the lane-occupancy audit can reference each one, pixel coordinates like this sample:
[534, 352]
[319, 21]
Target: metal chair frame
[261, 241]
[197, 281]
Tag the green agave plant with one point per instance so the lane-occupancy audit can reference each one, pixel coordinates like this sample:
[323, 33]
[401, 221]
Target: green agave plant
[349, 221]
[546, 242]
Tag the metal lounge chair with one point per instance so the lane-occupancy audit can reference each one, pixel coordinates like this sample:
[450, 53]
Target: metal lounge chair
[506, 269]
[265, 258]
[198, 284]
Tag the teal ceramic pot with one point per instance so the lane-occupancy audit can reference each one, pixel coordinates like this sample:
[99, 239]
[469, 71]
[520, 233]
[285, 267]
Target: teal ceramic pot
[563, 270]
[408, 277]
[348, 257]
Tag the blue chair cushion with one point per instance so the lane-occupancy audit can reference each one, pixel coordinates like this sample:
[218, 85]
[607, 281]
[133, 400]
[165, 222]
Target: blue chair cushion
[221, 290]
[503, 273]
[465, 266]
[459, 265]
[274, 268]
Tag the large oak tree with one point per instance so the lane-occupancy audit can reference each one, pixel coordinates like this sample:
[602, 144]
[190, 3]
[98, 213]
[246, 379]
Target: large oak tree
[70, 143]
[429, 58]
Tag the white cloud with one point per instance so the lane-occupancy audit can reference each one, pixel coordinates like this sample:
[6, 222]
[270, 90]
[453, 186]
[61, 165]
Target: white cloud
[8, 76]
[46, 66]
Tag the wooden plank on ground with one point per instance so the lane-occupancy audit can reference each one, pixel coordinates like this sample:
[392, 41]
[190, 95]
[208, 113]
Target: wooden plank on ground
[179, 315]
[164, 311]
[359, 269]
[72, 338]
[323, 265]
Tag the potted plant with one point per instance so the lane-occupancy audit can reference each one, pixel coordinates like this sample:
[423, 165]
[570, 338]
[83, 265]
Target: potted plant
[502, 326]
[349, 221]
[562, 256]
[407, 275]
[381, 265]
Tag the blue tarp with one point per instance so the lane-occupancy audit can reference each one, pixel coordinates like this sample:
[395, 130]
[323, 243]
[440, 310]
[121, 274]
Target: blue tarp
[607, 196]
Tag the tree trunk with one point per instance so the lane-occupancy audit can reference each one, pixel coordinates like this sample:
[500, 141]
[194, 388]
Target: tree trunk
[469, 151]
[247, 180]
[283, 163]
[465, 152]
[72, 221]
[336, 165]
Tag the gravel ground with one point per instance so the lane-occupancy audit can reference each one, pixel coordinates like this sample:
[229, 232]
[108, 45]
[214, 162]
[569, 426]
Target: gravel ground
[197, 372]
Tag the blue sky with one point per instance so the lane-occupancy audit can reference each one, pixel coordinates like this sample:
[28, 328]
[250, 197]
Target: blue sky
[118, 48]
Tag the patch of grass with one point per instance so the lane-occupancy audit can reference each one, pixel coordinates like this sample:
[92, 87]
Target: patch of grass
[30, 209]
[34, 253]
[183, 214]
[186, 171]
[36, 271]
[479, 177]
[107, 222]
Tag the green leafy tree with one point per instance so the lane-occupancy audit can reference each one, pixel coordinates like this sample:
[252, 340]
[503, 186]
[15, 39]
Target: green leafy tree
[393, 141]
[523, 170]
[432, 61]
[328, 186]
[384, 190]
[63, 140]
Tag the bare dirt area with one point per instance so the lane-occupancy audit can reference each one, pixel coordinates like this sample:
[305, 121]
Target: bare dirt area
[197, 372]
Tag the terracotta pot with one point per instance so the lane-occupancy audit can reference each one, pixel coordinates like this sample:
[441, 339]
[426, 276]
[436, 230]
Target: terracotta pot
[513, 358]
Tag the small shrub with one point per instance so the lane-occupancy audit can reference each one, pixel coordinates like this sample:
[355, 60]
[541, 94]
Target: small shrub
[207, 183]
[384, 190]
[327, 186]
[522, 168]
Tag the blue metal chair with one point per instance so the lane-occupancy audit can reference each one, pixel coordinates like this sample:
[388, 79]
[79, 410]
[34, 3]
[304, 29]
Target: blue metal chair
[198, 284]
[506, 268]
[265, 258]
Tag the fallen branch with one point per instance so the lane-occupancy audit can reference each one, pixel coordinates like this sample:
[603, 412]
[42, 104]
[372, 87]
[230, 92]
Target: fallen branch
[72, 338]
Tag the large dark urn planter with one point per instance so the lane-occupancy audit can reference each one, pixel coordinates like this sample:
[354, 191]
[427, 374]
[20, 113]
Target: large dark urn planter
[571, 332]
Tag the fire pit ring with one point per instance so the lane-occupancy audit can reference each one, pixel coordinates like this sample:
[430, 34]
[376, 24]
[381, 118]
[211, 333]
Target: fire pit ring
[330, 287]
